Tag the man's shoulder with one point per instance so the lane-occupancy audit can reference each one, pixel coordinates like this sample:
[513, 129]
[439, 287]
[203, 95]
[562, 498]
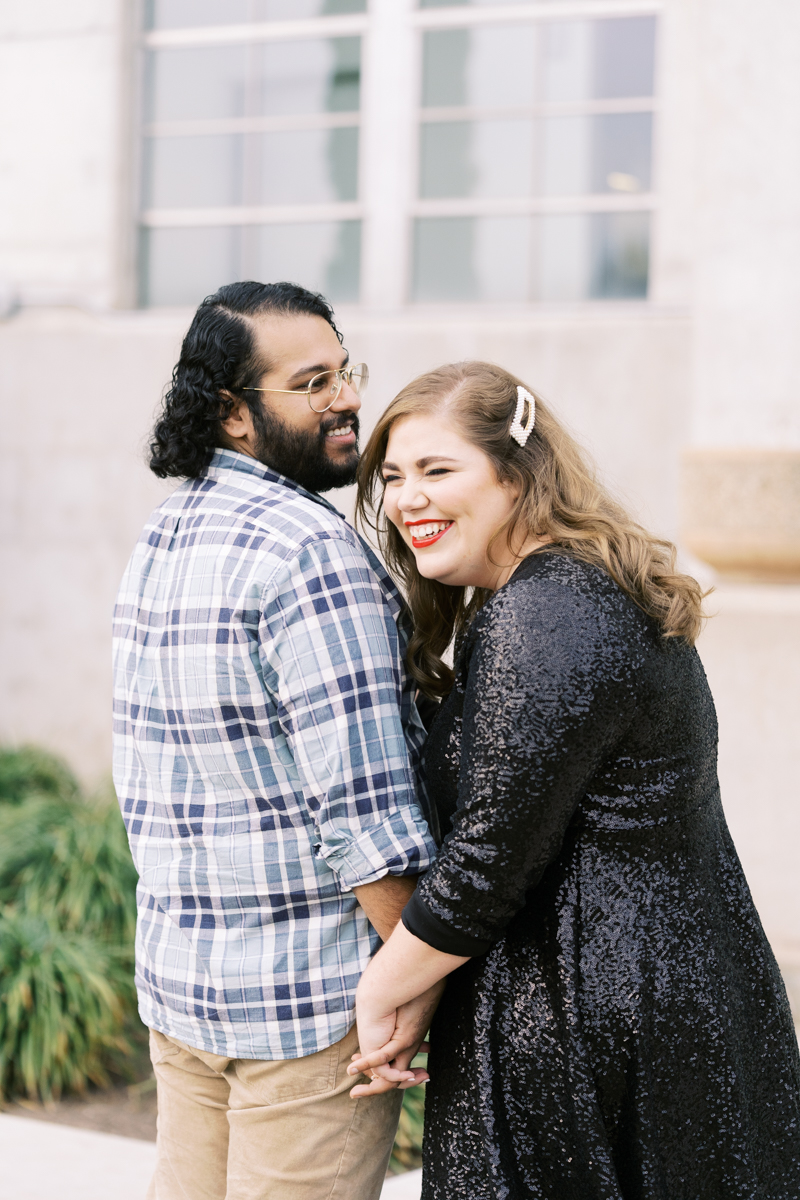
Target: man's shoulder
[266, 520]
[239, 503]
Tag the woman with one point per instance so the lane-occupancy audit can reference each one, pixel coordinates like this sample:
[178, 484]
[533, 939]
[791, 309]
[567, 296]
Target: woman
[617, 1025]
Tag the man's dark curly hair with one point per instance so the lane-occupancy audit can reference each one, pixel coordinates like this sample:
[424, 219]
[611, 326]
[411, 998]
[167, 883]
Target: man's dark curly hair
[218, 353]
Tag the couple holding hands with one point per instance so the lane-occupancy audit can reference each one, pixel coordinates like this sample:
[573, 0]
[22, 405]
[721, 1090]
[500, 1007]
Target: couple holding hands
[534, 832]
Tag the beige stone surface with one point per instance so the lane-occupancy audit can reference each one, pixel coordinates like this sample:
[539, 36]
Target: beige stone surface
[78, 393]
[741, 511]
[750, 650]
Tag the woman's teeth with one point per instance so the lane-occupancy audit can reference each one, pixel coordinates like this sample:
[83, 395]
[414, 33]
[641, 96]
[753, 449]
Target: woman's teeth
[426, 531]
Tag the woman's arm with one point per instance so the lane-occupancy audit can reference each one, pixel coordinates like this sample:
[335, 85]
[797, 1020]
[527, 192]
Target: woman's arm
[551, 686]
[395, 1001]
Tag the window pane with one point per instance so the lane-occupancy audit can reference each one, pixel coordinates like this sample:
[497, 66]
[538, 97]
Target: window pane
[311, 166]
[324, 256]
[293, 10]
[608, 153]
[563, 243]
[480, 3]
[484, 259]
[624, 57]
[178, 14]
[489, 66]
[310, 76]
[592, 256]
[465, 3]
[181, 266]
[589, 60]
[557, 258]
[620, 247]
[193, 172]
[476, 158]
[196, 83]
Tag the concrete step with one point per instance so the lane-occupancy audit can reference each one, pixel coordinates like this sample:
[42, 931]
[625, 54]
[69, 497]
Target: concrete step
[43, 1161]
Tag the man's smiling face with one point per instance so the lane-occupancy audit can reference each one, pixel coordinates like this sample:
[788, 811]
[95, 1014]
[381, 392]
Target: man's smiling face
[318, 450]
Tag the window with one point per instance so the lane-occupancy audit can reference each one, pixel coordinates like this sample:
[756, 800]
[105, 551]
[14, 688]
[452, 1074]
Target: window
[251, 154]
[392, 154]
[534, 161]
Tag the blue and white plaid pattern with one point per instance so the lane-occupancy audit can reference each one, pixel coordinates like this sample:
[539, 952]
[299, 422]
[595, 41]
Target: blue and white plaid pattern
[266, 745]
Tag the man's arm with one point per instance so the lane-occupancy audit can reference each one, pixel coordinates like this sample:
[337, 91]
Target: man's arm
[384, 900]
[330, 656]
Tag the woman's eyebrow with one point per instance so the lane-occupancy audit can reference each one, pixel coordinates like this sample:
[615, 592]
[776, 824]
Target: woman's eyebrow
[421, 462]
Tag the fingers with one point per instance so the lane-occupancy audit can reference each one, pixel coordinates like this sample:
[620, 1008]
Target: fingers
[372, 1087]
[377, 1085]
[420, 1076]
[363, 1063]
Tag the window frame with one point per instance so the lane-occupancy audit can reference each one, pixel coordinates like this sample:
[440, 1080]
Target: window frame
[390, 120]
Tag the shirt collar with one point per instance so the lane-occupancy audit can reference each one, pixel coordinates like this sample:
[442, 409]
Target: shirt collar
[231, 460]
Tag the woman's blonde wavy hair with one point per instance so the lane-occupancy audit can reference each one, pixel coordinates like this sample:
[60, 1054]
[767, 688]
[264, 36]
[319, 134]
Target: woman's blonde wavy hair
[559, 500]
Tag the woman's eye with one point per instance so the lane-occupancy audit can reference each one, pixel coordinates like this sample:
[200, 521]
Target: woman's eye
[390, 478]
[438, 471]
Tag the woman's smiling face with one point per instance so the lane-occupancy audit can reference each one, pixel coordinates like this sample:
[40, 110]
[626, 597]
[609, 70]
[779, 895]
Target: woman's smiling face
[443, 495]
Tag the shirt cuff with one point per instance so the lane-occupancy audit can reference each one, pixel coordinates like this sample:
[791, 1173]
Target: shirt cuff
[424, 924]
[399, 845]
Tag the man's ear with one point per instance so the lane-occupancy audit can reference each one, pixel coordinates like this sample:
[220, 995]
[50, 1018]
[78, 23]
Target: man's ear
[235, 416]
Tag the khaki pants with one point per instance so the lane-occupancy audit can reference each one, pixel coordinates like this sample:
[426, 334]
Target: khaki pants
[246, 1129]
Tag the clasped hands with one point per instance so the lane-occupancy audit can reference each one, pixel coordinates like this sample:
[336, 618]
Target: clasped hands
[389, 1039]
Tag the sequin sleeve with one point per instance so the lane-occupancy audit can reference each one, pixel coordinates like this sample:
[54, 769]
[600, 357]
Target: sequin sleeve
[546, 676]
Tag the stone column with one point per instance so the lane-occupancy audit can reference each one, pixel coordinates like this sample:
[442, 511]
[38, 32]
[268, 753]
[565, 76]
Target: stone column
[741, 496]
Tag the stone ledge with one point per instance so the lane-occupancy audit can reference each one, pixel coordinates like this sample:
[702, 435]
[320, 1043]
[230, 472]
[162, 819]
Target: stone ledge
[741, 512]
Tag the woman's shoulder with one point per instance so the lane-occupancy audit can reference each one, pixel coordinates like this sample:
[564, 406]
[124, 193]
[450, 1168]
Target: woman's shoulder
[565, 599]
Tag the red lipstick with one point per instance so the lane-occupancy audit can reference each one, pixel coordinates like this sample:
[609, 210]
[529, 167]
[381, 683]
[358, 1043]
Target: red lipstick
[420, 543]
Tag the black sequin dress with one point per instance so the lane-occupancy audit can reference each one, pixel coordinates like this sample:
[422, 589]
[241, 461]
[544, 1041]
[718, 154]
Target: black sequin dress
[623, 1030]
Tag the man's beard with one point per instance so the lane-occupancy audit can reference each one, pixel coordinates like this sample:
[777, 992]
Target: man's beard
[302, 455]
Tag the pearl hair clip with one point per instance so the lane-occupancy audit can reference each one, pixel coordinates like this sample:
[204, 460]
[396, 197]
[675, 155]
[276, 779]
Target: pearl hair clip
[518, 431]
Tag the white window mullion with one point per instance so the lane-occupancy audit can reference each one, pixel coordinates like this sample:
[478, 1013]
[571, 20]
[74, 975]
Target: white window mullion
[388, 106]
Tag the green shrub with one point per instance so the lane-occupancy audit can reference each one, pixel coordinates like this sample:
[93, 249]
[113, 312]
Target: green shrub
[72, 863]
[30, 771]
[407, 1149]
[65, 1003]
[67, 923]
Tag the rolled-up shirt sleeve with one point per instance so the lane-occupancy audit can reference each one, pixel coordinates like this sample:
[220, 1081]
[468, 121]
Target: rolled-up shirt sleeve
[330, 657]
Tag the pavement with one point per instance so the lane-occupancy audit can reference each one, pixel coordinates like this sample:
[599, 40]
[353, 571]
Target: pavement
[43, 1161]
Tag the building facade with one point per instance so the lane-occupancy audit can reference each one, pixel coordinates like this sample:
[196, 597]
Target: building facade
[602, 195]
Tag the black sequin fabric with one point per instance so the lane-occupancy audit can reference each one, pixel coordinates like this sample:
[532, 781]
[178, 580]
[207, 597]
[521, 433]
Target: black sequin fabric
[623, 1031]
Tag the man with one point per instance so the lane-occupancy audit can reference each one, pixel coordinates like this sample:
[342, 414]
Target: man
[265, 744]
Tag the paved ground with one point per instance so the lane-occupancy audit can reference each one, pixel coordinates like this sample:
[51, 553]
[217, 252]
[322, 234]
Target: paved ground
[44, 1161]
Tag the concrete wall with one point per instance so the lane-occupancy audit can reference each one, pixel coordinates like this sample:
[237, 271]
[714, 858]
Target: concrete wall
[711, 363]
[66, 155]
[77, 398]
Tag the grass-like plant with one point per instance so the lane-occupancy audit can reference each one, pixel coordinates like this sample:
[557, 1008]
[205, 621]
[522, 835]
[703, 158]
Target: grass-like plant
[407, 1149]
[65, 1003]
[67, 921]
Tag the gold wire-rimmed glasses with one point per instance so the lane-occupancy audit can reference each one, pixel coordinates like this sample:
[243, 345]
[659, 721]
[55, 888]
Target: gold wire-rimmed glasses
[327, 386]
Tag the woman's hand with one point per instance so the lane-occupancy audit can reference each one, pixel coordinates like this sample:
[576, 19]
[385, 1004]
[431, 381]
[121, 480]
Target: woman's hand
[390, 1040]
[396, 998]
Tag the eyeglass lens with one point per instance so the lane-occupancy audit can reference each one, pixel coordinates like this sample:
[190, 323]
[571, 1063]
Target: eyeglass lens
[324, 388]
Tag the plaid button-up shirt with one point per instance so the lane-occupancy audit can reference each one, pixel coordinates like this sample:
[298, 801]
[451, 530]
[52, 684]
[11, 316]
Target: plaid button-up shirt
[266, 743]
